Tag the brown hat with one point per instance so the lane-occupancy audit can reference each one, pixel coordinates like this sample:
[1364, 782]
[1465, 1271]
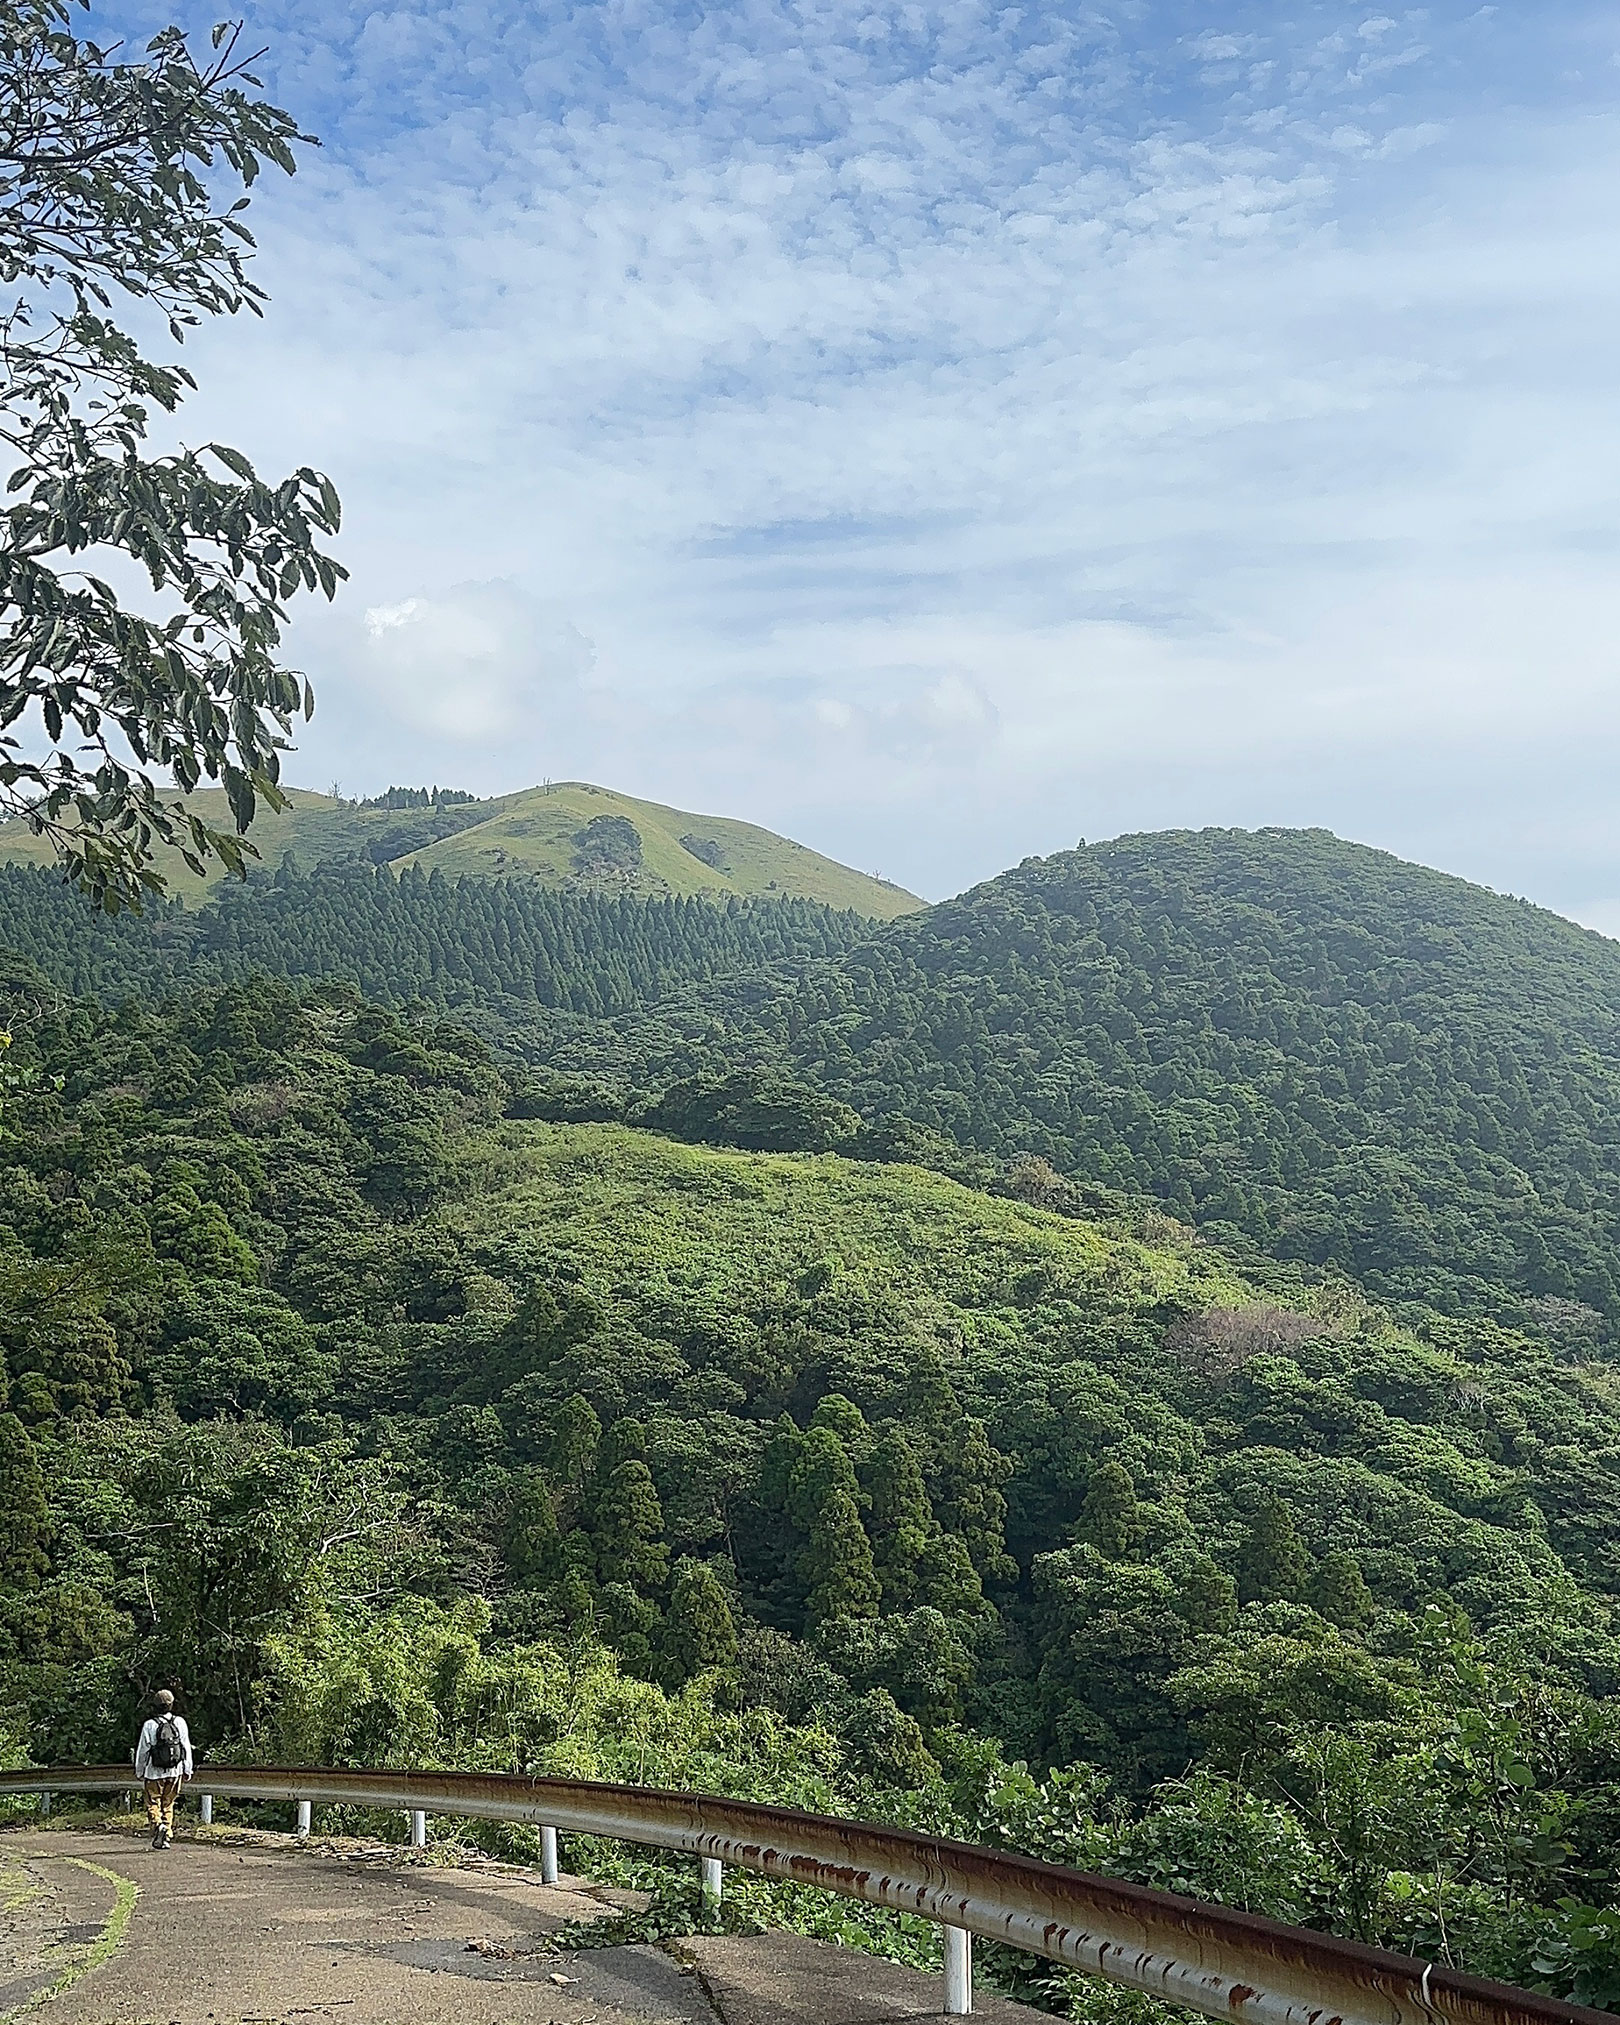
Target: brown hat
[165, 1699]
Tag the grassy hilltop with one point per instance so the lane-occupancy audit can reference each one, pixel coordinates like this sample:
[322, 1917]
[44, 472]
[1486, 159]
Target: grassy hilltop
[538, 833]
[569, 835]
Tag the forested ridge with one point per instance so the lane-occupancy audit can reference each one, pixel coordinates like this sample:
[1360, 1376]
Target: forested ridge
[1341, 1055]
[418, 937]
[1300, 1044]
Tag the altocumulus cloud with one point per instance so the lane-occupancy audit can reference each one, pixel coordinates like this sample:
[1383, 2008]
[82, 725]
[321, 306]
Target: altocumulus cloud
[960, 427]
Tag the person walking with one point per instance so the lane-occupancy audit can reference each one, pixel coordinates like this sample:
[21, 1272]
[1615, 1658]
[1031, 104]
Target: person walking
[163, 1765]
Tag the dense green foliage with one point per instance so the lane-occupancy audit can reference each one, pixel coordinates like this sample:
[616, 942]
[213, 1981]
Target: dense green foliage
[418, 798]
[122, 190]
[394, 1426]
[1342, 1056]
[401, 1391]
[1307, 1046]
[420, 937]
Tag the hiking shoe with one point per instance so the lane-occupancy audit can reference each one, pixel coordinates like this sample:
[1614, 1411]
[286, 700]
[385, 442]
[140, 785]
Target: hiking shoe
[157, 1838]
[165, 1837]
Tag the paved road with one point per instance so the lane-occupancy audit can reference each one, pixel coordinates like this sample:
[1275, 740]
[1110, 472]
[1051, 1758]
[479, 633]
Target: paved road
[96, 1929]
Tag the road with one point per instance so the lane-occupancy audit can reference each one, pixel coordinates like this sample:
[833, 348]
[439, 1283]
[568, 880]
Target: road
[223, 1929]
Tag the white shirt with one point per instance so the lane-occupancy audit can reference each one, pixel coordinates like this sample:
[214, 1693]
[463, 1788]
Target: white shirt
[143, 1751]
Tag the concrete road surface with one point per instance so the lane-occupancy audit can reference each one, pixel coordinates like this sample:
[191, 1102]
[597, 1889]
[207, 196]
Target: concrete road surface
[97, 1929]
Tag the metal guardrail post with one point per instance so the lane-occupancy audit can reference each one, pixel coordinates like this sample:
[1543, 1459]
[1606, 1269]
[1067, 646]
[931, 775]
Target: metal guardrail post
[958, 1971]
[45, 1805]
[206, 1809]
[548, 1855]
[418, 1828]
[302, 1829]
[713, 1880]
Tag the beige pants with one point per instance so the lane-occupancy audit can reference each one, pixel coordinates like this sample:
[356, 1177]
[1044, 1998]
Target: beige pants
[161, 1794]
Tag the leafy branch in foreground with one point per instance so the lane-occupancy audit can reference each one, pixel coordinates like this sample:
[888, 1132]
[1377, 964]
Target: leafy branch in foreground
[104, 188]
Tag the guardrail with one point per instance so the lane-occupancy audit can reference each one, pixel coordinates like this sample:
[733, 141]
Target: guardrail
[1227, 1964]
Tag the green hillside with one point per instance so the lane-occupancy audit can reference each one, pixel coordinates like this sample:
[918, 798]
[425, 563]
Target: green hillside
[1299, 1044]
[636, 848]
[505, 946]
[313, 827]
[1307, 1045]
[397, 1427]
[544, 833]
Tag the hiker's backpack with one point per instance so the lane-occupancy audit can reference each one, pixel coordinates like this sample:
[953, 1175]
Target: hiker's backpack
[167, 1753]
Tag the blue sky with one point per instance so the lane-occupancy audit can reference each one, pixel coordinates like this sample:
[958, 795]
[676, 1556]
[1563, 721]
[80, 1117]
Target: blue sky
[945, 431]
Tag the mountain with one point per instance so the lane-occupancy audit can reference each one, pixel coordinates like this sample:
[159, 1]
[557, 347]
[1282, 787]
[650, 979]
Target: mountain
[569, 835]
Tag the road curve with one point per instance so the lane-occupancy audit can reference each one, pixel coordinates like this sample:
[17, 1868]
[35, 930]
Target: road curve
[237, 1930]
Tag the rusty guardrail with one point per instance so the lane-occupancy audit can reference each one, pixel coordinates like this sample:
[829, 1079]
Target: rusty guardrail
[1228, 1964]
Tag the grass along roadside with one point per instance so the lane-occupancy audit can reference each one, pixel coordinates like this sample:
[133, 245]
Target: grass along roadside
[63, 1963]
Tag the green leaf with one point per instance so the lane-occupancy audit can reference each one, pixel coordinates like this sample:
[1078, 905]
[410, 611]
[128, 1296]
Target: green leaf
[234, 461]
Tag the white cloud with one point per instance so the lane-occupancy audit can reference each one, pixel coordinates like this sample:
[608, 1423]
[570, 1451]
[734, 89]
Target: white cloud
[474, 664]
[957, 428]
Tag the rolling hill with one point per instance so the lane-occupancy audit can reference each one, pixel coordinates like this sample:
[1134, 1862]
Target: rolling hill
[1309, 1046]
[569, 835]
[545, 833]
[1306, 1047]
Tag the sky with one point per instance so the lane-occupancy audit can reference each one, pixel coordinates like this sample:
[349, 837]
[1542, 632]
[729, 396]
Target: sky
[941, 432]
